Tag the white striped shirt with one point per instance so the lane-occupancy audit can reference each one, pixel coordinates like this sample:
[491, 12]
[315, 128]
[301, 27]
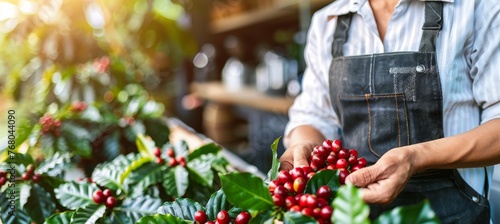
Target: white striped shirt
[468, 57]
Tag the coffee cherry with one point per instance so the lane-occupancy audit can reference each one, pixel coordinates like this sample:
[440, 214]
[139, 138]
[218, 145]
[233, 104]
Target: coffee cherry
[299, 184]
[324, 152]
[110, 202]
[295, 208]
[30, 169]
[170, 153]
[327, 144]
[353, 161]
[317, 161]
[3, 180]
[362, 162]
[336, 145]
[289, 187]
[3, 174]
[326, 212]
[272, 185]
[331, 167]
[98, 197]
[315, 167]
[297, 197]
[310, 175]
[223, 217]
[200, 216]
[341, 164]
[182, 161]
[324, 192]
[284, 176]
[307, 211]
[36, 177]
[107, 193]
[157, 152]
[322, 202]
[279, 201]
[210, 222]
[343, 173]
[354, 152]
[281, 191]
[331, 159]
[356, 167]
[316, 212]
[307, 169]
[343, 154]
[158, 160]
[290, 201]
[172, 162]
[312, 201]
[26, 176]
[297, 172]
[303, 200]
[243, 218]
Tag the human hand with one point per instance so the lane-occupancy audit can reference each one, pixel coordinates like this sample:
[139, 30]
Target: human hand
[296, 155]
[383, 181]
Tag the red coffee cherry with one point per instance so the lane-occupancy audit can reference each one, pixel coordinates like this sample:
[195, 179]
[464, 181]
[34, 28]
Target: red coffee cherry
[289, 187]
[317, 161]
[30, 169]
[343, 173]
[26, 176]
[172, 162]
[281, 191]
[290, 201]
[336, 145]
[324, 192]
[158, 160]
[200, 216]
[295, 208]
[297, 172]
[331, 159]
[343, 154]
[308, 212]
[98, 197]
[279, 201]
[356, 167]
[170, 153]
[3, 180]
[341, 164]
[353, 161]
[284, 176]
[327, 144]
[110, 202]
[107, 193]
[354, 152]
[362, 162]
[223, 217]
[157, 152]
[36, 177]
[312, 201]
[326, 212]
[243, 218]
[272, 185]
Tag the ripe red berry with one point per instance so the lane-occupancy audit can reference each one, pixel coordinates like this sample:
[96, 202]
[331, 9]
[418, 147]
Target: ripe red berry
[331, 167]
[308, 212]
[343, 173]
[353, 161]
[310, 175]
[172, 162]
[331, 159]
[279, 200]
[26, 176]
[322, 202]
[307, 169]
[281, 191]
[336, 145]
[181, 161]
[327, 144]
[3, 180]
[243, 218]
[312, 201]
[110, 202]
[157, 152]
[297, 197]
[223, 217]
[170, 153]
[362, 162]
[341, 164]
[356, 168]
[317, 161]
[303, 200]
[3, 174]
[200, 216]
[315, 167]
[284, 176]
[316, 212]
[107, 193]
[289, 187]
[354, 152]
[272, 185]
[324, 192]
[326, 212]
[159, 160]
[299, 185]
[36, 177]
[210, 222]
[98, 197]
[290, 201]
[324, 152]
[295, 208]
[297, 172]
[343, 154]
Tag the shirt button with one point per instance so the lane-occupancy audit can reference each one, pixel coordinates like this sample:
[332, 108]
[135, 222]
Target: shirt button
[420, 68]
[475, 199]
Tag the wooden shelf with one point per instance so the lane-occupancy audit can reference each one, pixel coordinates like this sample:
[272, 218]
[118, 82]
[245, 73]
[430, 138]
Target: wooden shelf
[247, 96]
[279, 10]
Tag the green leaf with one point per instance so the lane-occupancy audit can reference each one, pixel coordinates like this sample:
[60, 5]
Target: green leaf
[91, 114]
[133, 166]
[119, 218]
[158, 130]
[145, 146]
[297, 217]
[321, 178]
[246, 191]
[210, 148]
[200, 169]
[47, 143]
[88, 214]
[112, 174]
[54, 165]
[60, 218]
[40, 204]
[12, 214]
[216, 203]
[183, 208]
[75, 195]
[143, 177]
[161, 219]
[181, 148]
[264, 217]
[111, 146]
[273, 172]
[419, 213]
[175, 181]
[349, 206]
[24, 193]
[135, 208]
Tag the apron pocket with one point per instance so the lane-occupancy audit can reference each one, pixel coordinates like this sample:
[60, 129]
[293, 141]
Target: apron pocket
[377, 122]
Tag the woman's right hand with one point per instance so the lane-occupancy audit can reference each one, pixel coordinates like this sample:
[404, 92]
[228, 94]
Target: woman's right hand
[296, 155]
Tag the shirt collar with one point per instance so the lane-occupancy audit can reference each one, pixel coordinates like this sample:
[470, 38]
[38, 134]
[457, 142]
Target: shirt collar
[342, 7]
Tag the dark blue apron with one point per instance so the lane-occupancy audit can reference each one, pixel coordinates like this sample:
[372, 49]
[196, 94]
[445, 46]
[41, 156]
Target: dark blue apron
[389, 100]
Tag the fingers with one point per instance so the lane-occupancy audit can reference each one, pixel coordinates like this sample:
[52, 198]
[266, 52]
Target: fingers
[363, 177]
[300, 158]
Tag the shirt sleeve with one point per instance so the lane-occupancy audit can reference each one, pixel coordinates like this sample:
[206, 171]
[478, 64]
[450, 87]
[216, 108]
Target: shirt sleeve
[313, 106]
[485, 59]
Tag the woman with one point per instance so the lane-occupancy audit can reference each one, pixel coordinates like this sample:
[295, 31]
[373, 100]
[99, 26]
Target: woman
[414, 86]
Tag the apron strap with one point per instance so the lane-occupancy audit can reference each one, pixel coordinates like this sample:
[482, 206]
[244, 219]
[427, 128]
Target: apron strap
[432, 25]
[340, 35]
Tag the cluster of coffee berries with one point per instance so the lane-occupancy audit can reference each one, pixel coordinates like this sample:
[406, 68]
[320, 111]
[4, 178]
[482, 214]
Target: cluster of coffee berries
[104, 197]
[313, 205]
[49, 124]
[3, 178]
[30, 175]
[172, 161]
[78, 106]
[331, 155]
[222, 218]
[101, 64]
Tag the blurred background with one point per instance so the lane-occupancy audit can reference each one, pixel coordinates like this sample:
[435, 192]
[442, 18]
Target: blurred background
[227, 68]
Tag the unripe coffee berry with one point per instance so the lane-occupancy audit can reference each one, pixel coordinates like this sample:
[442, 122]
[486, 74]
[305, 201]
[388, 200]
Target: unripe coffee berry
[299, 185]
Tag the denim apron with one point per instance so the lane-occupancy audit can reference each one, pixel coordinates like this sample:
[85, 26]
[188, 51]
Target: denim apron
[389, 100]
